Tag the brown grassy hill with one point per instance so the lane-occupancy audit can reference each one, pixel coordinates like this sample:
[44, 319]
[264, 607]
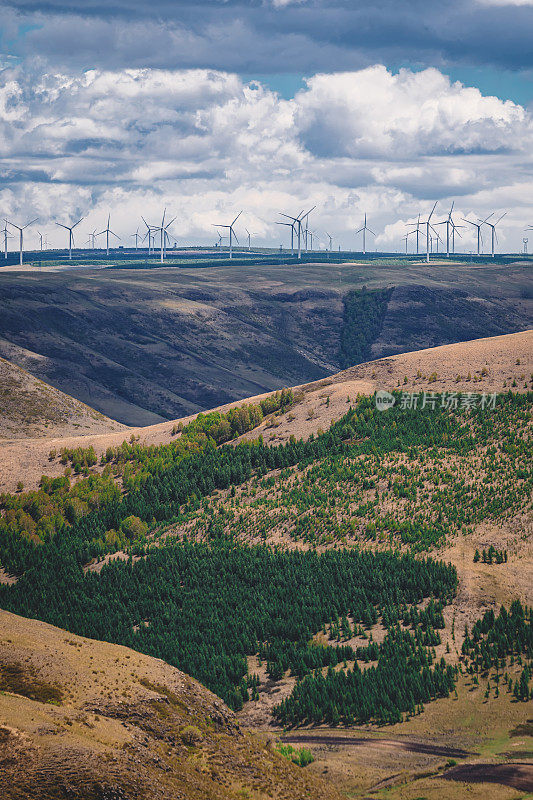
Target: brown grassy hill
[481, 365]
[83, 719]
[31, 408]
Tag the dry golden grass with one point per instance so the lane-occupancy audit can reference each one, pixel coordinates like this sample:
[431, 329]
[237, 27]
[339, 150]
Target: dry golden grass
[27, 459]
[87, 719]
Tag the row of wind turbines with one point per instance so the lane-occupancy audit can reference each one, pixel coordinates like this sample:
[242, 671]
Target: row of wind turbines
[301, 234]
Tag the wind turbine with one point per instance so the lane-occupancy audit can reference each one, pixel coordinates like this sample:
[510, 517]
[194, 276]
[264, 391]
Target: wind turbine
[477, 225]
[149, 229]
[418, 230]
[162, 229]
[450, 225]
[297, 223]
[307, 231]
[291, 226]
[492, 226]
[108, 231]
[136, 236]
[249, 238]
[7, 236]
[220, 240]
[330, 241]
[231, 233]
[70, 235]
[406, 238]
[363, 230]
[21, 232]
[429, 227]
[40, 240]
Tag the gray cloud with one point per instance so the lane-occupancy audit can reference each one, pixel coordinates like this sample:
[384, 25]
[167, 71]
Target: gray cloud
[273, 36]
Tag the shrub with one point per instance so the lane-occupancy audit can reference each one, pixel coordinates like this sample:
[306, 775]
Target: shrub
[190, 735]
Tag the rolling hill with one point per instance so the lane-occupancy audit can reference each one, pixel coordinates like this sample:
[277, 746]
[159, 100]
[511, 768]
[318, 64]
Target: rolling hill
[30, 408]
[483, 365]
[87, 720]
[329, 545]
[144, 346]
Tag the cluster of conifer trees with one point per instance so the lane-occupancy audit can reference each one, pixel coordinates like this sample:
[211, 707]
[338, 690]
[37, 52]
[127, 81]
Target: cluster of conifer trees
[205, 607]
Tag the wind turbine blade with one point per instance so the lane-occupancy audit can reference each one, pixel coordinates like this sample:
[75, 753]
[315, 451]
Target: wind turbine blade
[77, 223]
[294, 219]
[302, 215]
[171, 221]
[372, 232]
[236, 218]
[114, 234]
[500, 219]
[63, 226]
[432, 210]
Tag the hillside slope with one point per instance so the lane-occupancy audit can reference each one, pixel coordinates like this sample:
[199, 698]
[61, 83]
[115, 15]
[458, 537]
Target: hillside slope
[142, 346]
[87, 720]
[493, 365]
[31, 408]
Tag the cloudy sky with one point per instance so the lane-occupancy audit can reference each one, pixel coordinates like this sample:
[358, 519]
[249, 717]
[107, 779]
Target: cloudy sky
[266, 105]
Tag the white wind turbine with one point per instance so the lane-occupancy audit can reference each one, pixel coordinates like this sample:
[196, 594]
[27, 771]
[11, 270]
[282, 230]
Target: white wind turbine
[41, 237]
[492, 226]
[450, 226]
[330, 247]
[429, 228]
[478, 226]
[307, 231]
[136, 236]
[7, 236]
[297, 224]
[231, 233]
[21, 230]
[418, 230]
[149, 229]
[162, 230]
[70, 230]
[249, 238]
[107, 230]
[363, 230]
[291, 226]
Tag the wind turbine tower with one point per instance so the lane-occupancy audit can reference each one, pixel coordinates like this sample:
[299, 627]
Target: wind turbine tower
[291, 226]
[21, 230]
[7, 236]
[107, 230]
[70, 230]
[363, 230]
[162, 229]
[478, 226]
[429, 228]
[492, 226]
[231, 233]
[297, 223]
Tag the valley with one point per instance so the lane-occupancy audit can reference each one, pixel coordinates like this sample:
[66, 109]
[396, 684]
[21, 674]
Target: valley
[313, 556]
[146, 345]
